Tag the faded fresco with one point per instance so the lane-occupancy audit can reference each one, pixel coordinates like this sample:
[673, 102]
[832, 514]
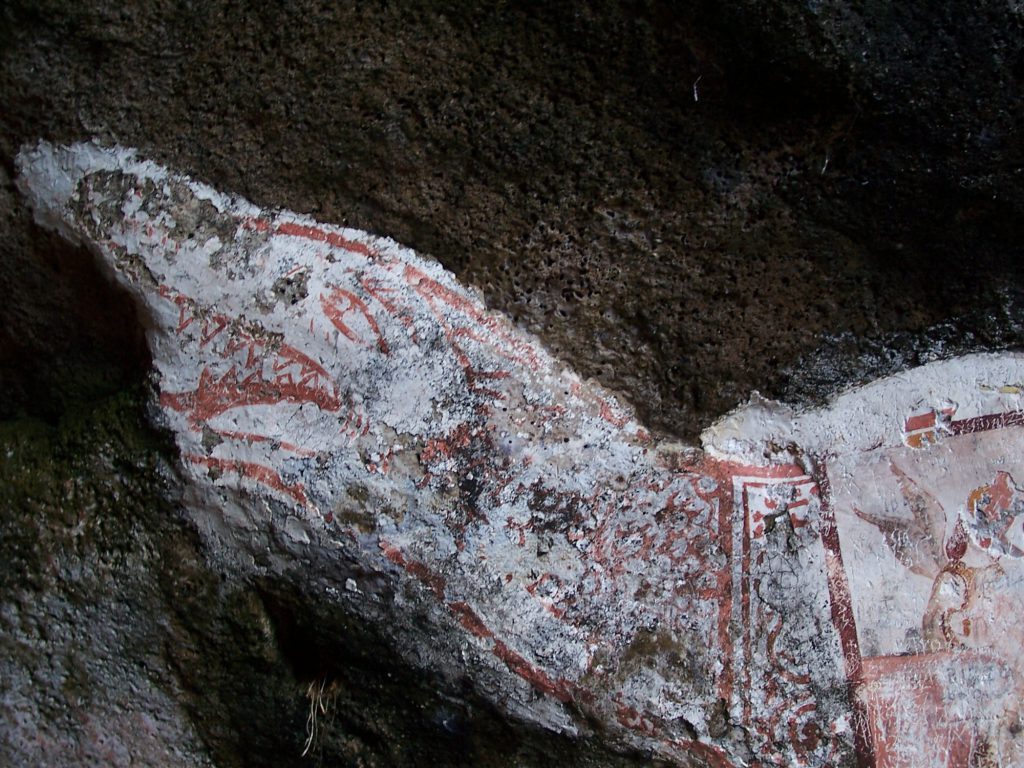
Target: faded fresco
[931, 539]
[833, 587]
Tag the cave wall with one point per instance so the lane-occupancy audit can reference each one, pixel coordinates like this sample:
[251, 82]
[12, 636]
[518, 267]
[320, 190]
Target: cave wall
[686, 203]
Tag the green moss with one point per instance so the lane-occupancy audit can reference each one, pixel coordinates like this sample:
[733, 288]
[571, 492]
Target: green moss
[77, 489]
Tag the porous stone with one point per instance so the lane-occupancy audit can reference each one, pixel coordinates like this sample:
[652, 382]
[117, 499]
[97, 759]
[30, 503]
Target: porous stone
[688, 202]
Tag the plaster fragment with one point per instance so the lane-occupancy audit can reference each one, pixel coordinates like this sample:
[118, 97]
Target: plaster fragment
[829, 587]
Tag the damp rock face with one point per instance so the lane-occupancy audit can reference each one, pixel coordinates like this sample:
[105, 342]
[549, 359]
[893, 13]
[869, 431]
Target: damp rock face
[346, 412]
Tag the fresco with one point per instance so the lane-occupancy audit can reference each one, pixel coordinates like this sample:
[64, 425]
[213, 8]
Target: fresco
[838, 586]
[931, 541]
[922, 520]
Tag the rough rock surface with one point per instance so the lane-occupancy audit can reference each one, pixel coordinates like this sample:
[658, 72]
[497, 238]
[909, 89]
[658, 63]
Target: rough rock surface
[645, 186]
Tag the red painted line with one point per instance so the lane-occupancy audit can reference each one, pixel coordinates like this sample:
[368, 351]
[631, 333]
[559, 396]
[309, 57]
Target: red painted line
[433, 291]
[647, 724]
[745, 615]
[537, 678]
[921, 421]
[377, 291]
[632, 718]
[259, 225]
[776, 660]
[335, 312]
[256, 472]
[292, 355]
[208, 335]
[986, 423]
[445, 447]
[470, 620]
[215, 396]
[843, 619]
[322, 236]
[560, 689]
[807, 741]
[421, 572]
[724, 469]
[609, 415]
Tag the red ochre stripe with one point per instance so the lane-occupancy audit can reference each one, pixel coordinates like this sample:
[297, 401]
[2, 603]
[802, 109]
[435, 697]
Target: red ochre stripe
[331, 238]
[985, 423]
[470, 620]
[560, 689]
[921, 421]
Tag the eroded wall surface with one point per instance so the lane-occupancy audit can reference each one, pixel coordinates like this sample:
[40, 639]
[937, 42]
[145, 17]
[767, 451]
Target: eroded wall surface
[831, 587]
[922, 526]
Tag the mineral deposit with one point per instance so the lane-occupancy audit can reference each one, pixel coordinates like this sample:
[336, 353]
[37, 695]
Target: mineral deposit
[834, 587]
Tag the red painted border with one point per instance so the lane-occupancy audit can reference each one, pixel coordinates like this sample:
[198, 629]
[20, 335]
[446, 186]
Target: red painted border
[843, 618]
